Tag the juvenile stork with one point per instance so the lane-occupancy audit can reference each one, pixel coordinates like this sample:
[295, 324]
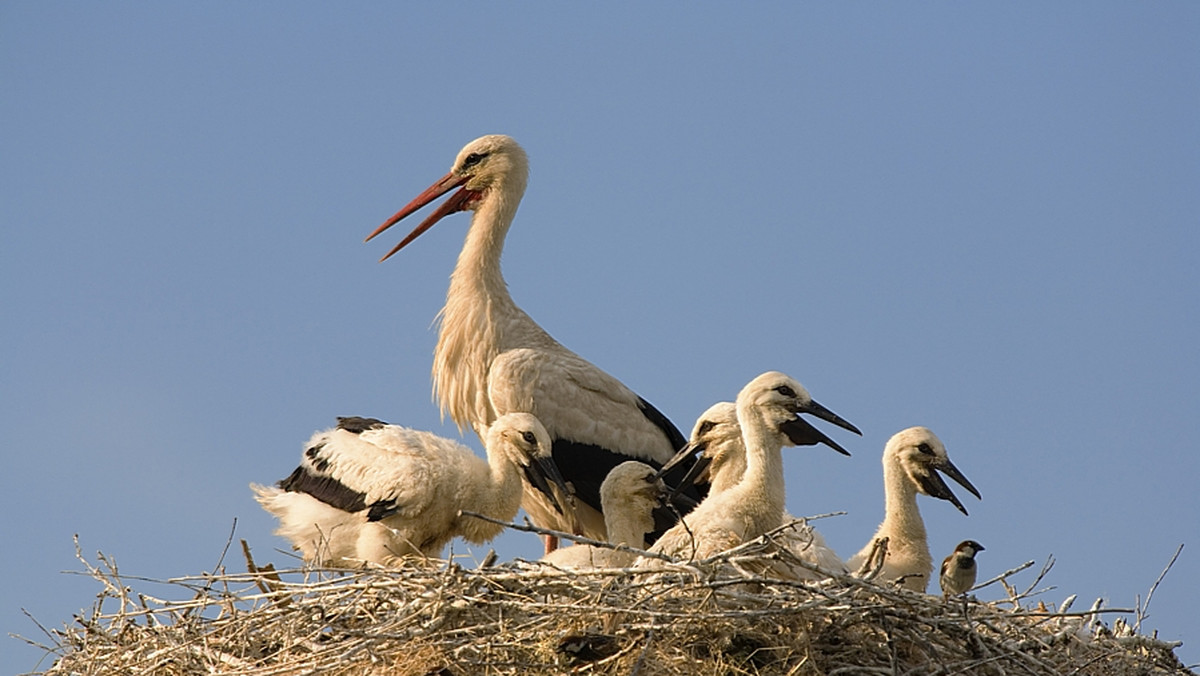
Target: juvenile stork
[369, 491]
[723, 462]
[912, 459]
[766, 408]
[630, 493]
[492, 358]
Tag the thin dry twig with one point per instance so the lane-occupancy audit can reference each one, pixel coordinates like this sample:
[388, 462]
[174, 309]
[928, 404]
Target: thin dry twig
[1144, 607]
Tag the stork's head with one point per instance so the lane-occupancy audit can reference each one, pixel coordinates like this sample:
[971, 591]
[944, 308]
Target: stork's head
[718, 438]
[633, 489]
[921, 455]
[492, 167]
[522, 440]
[779, 398]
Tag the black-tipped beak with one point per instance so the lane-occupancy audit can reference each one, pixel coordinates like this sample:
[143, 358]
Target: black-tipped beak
[696, 474]
[933, 485]
[953, 472]
[676, 497]
[690, 478]
[541, 473]
[681, 456]
[813, 408]
[801, 433]
[662, 493]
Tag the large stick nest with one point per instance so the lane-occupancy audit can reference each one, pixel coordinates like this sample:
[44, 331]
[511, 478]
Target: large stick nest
[711, 617]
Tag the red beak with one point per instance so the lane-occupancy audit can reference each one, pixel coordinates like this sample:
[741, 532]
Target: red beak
[457, 202]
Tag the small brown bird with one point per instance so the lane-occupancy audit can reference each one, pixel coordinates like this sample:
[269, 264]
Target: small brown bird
[958, 569]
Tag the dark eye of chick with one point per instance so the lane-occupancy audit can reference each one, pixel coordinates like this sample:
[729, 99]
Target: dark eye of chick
[785, 391]
[473, 159]
[528, 437]
[705, 427]
[925, 448]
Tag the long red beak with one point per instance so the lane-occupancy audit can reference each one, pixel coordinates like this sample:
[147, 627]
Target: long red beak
[457, 202]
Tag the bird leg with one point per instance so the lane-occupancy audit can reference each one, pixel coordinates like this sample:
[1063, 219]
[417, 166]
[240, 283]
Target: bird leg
[551, 542]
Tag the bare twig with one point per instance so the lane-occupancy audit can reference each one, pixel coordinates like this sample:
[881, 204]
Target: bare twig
[1002, 576]
[530, 528]
[1143, 608]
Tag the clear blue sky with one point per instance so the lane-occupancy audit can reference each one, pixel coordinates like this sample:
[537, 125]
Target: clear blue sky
[980, 218]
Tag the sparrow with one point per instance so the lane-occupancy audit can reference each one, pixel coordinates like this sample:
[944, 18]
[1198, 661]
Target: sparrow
[958, 569]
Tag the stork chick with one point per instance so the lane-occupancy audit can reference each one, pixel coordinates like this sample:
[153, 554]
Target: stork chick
[723, 463]
[369, 491]
[629, 494]
[492, 358]
[766, 408]
[959, 569]
[912, 459]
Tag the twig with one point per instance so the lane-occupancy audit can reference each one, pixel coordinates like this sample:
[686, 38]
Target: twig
[1002, 576]
[1045, 569]
[530, 528]
[1142, 608]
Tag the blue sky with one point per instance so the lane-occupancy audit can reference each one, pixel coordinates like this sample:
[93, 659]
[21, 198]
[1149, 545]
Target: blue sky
[979, 218]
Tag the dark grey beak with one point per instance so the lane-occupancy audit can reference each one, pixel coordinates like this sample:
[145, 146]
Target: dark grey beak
[952, 472]
[662, 492]
[681, 456]
[813, 408]
[540, 473]
[933, 484]
[801, 433]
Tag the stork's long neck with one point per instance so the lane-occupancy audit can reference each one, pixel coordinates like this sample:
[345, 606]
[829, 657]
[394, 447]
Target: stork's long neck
[902, 518]
[478, 270]
[479, 316]
[496, 493]
[629, 524]
[729, 464]
[761, 487]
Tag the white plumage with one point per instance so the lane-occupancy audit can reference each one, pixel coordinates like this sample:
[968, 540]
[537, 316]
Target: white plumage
[492, 358]
[369, 491]
[718, 433]
[911, 461]
[754, 505]
[629, 494]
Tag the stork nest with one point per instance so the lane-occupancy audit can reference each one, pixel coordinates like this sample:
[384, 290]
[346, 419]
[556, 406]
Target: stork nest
[709, 617]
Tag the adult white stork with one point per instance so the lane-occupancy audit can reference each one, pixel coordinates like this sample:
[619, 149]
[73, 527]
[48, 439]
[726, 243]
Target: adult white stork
[718, 437]
[492, 358]
[766, 406]
[369, 491]
[912, 459]
[630, 493]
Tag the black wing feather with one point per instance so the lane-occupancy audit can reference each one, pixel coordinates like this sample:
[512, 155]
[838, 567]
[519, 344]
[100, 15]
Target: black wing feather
[326, 489]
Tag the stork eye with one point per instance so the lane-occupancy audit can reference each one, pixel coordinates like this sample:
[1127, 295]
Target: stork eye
[529, 438]
[925, 448]
[473, 159]
[705, 427]
[785, 391]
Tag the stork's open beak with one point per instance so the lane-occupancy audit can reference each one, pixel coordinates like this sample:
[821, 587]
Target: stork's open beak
[933, 484]
[541, 472]
[457, 202]
[813, 408]
[801, 433]
[681, 456]
[691, 477]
